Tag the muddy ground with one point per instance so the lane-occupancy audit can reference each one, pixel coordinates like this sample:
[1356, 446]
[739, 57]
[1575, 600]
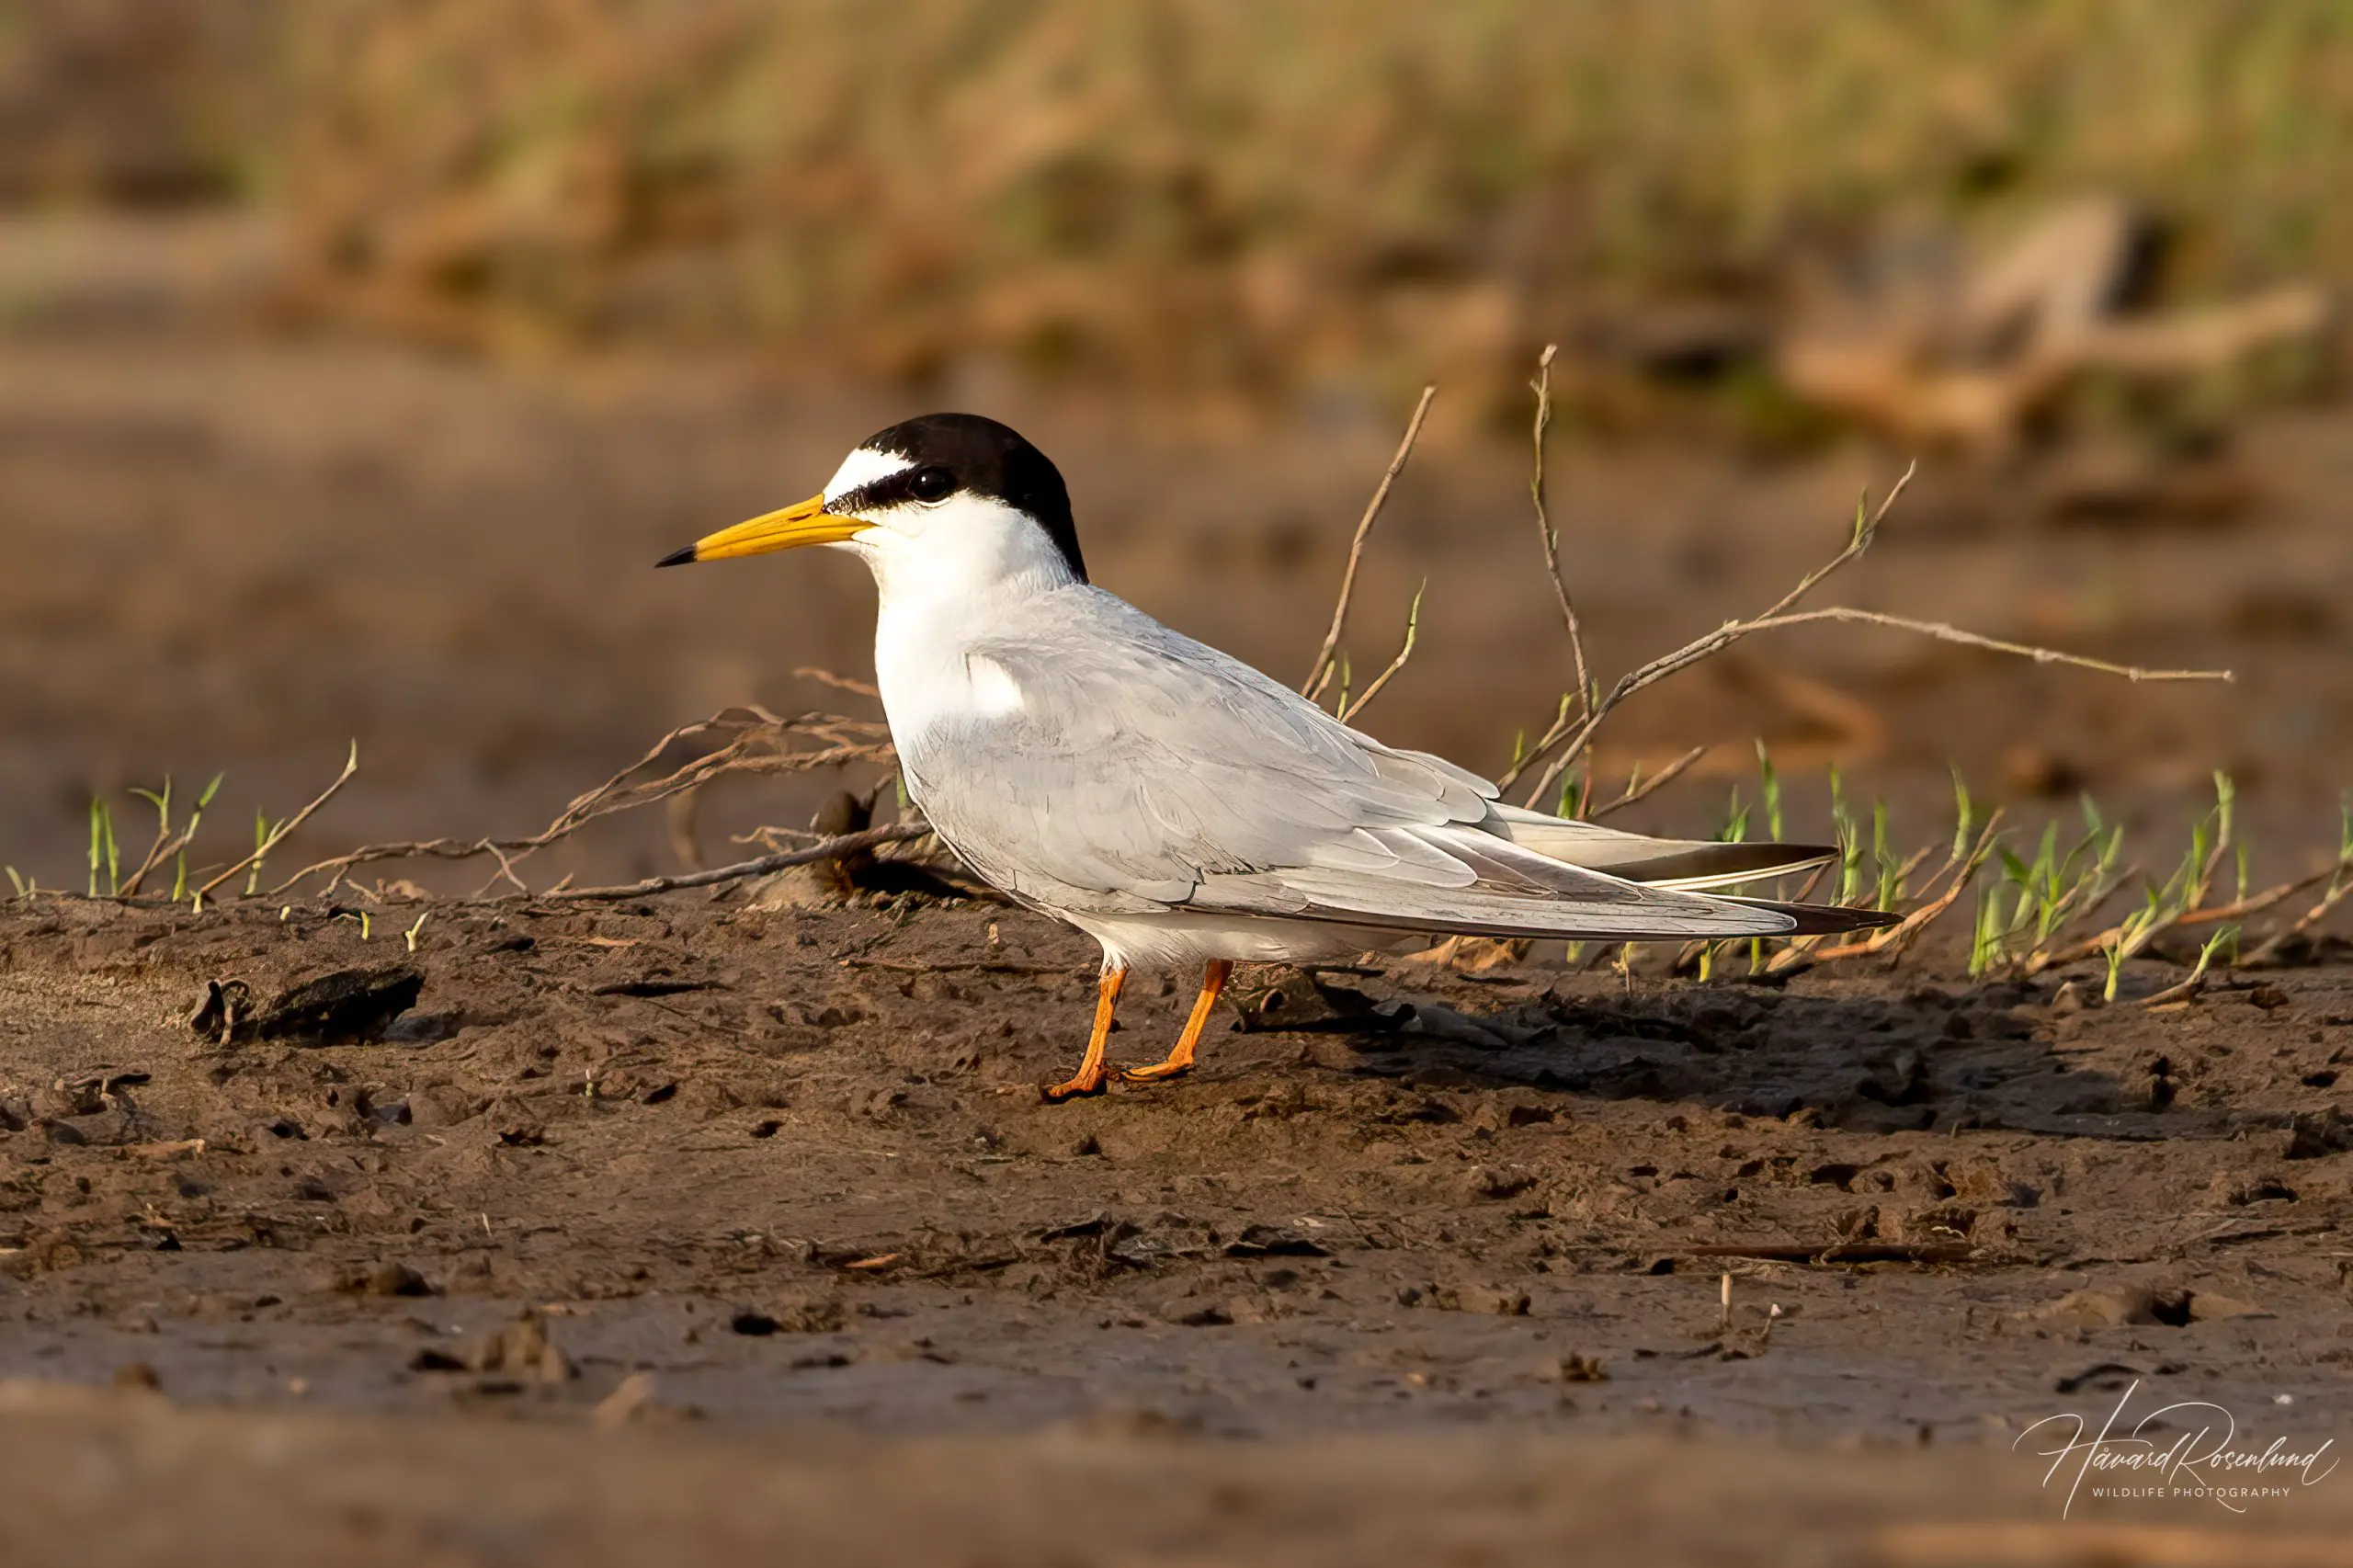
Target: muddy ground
[734, 1178]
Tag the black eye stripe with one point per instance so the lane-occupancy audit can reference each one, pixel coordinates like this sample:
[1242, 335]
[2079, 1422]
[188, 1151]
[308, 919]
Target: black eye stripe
[930, 482]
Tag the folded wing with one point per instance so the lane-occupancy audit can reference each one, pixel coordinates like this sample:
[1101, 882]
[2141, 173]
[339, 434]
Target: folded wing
[1141, 770]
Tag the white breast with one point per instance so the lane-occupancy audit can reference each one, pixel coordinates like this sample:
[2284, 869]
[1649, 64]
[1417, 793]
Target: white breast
[929, 672]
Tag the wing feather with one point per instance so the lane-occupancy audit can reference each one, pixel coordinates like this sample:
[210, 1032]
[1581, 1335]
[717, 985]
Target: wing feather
[1140, 770]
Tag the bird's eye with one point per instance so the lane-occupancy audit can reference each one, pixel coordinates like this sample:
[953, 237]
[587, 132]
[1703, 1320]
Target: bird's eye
[932, 484]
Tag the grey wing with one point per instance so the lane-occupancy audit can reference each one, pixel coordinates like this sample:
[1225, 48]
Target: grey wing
[1141, 771]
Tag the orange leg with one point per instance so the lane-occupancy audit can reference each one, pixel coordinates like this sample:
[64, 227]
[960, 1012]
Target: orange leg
[1089, 1079]
[1179, 1060]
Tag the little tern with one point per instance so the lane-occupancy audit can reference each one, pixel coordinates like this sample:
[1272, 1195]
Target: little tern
[1172, 802]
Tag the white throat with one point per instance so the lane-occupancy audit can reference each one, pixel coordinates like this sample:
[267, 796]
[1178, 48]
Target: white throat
[968, 549]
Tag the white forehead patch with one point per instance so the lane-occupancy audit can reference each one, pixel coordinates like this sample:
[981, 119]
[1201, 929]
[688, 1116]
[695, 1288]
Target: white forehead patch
[861, 468]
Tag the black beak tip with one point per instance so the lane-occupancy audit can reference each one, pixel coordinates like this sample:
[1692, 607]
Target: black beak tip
[677, 558]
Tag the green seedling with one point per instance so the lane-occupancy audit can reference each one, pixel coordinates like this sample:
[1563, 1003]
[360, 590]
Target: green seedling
[162, 804]
[164, 836]
[1986, 939]
[103, 854]
[1735, 828]
[1891, 866]
[2344, 851]
[2114, 954]
[1850, 846]
[262, 830]
[1965, 813]
[1572, 800]
[2227, 936]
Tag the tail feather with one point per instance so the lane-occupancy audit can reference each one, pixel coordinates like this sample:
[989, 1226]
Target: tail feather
[1686, 865]
[1682, 865]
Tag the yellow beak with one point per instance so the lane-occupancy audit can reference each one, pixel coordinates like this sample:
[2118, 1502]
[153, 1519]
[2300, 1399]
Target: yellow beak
[807, 523]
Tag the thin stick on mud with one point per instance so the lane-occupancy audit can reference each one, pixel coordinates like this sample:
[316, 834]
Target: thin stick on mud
[1638, 789]
[164, 846]
[832, 849]
[842, 740]
[1545, 533]
[350, 766]
[2340, 886]
[1320, 673]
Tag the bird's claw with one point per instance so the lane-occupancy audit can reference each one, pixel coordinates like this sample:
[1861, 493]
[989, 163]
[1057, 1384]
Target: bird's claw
[1073, 1088]
[1156, 1072]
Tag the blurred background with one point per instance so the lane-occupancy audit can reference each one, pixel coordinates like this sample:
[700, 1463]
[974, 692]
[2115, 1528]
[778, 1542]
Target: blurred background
[356, 362]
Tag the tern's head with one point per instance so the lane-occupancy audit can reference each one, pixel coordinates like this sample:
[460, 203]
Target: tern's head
[947, 503]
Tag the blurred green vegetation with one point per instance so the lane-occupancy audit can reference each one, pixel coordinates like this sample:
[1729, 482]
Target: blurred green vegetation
[1183, 191]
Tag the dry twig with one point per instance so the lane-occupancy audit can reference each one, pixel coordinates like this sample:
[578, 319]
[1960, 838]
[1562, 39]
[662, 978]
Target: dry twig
[758, 746]
[1319, 674]
[1573, 731]
[832, 849]
[1641, 788]
[1545, 533]
[1345, 710]
[164, 846]
[277, 837]
[838, 681]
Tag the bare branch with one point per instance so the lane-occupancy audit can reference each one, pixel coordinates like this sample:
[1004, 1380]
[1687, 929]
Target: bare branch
[350, 766]
[1345, 710]
[2339, 888]
[1643, 788]
[1542, 386]
[757, 747]
[1580, 734]
[839, 681]
[1572, 736]
[162, 849]
[832, 849]
[1320, 672]
[1943, 632]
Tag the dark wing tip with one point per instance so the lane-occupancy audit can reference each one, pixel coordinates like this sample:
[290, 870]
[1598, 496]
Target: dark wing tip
[1818, 919]
[677, 558]
[1826, 920]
